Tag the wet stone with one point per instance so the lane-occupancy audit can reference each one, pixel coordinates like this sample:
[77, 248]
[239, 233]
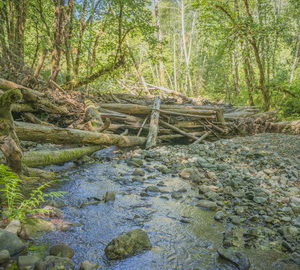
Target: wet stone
[55, 263]
[61, 250]
[86, 265]
[109, 196]
[9, 241]
[154, 189]
[128, 244]
[27, 262]
[138, 172]
[235, 220]
[260, 200]
[176, 195]
[236, 258]
[207, 204]
[4, 256]
[220, 216]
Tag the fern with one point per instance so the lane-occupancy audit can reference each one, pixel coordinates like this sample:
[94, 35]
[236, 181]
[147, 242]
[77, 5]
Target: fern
[17, 206]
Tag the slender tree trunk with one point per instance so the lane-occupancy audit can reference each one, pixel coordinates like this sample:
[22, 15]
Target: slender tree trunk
[58, 38]
[296, 60]
[161, 71]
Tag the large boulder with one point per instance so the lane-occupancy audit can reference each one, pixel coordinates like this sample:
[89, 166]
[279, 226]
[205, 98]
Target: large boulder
[11, 242]
[128, 244]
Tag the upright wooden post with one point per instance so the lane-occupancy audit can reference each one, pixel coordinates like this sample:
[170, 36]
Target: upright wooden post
[153, 130]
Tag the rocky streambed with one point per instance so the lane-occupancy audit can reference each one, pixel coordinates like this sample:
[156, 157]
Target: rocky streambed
[232, 204]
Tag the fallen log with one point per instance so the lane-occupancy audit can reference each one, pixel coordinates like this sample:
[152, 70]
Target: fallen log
[205, 135]
[178, 136]
[43, 134]
[178, 130]
[153, 130]
[43, 158]
[34, 98]
[142, 110]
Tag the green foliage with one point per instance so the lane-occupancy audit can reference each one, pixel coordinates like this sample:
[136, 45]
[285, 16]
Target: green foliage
[16, 204]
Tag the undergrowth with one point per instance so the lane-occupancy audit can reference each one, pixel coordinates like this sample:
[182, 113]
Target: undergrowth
[17, 205]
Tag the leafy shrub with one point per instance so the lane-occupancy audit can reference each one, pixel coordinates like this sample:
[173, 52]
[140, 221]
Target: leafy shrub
[16, 204]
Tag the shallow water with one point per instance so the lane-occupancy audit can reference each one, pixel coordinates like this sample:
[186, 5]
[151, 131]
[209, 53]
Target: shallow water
[183, 235]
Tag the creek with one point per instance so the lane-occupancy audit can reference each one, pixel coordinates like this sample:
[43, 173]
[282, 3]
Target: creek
[183, 235]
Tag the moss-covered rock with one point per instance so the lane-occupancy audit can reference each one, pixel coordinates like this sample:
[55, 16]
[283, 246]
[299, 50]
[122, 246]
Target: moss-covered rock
[128, 244]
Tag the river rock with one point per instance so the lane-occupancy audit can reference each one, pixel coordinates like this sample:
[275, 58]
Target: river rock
[14, 226]
[192, 174]
[295, 201]
[128, 244]
[4, 256]
[176, 195]
[139, 172]
[296, 221]
[27, 262]
[55, 263]
[109, 196]
[236, 258]
[208, 204]
[260, 200]
[10, 242]
[61, 250]
[152, 189]
[36, 227]
[235, 220]
[220, 216]
[86, 265]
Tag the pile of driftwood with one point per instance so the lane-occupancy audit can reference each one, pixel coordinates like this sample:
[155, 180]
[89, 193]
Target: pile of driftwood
[92, 122]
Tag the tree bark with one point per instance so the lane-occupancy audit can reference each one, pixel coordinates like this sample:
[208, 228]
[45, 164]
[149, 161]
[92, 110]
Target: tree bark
[43, 158]
[9, 143]
[41, 133]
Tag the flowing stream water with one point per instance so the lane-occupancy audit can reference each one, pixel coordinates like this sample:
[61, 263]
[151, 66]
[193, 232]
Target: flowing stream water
[183, 235]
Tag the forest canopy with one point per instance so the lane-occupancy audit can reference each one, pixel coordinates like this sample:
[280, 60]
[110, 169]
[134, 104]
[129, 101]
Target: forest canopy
[242, 52]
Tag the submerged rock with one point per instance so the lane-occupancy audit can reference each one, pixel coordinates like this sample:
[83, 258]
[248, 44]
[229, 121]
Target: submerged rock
[56, 263]
[236, 258]
[86, 265]
[61, 250]
[128, 244]
[10, 242]
[28, 262]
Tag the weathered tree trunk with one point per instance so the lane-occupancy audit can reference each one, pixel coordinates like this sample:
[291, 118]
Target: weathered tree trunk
[41, 133]
[9, 143]
[143, 110]
[58, 38]
[43, 158]
[153, 130]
